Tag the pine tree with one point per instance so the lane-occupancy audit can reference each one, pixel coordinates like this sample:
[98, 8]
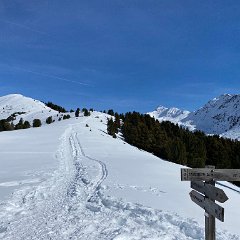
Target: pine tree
[26, 124]
[111, 127]
[77, 112]
[37, 123]
[19, 125]
[110, 112]
[66, 117]
[6, 126]
[86, 113]
[49, 120]
[117, 120]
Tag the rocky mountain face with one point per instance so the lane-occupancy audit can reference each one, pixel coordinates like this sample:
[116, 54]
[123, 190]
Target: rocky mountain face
[169, 114]
[220, 115]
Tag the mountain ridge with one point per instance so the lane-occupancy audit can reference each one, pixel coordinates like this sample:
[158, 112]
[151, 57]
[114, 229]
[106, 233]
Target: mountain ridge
[220, 116]
[169, 114]
[217, 116]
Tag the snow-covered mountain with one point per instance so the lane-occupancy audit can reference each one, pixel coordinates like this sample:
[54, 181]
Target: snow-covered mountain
[169, 114]
[19, 106]
[71, 180]
[219, 116]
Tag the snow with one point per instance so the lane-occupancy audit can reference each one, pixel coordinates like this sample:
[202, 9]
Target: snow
[174, 115]
[220, 116]
[69, 181]
[26, 108]
[234, 133]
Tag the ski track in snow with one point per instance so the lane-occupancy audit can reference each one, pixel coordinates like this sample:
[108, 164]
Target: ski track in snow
[72, 205]
[103, 170]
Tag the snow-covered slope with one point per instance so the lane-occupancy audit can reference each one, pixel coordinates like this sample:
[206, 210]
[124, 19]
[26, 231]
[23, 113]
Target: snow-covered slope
[234, 133]
[169, 114]
[219, 116]
[70, 181]
[26, 108]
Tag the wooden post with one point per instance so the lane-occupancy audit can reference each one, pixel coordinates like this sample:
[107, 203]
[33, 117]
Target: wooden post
[206, 193]
[210, 224]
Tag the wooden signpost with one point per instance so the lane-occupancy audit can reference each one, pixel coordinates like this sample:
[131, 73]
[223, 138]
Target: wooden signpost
[208, 205]
[210, 191]
[208, 174]
[203, 181]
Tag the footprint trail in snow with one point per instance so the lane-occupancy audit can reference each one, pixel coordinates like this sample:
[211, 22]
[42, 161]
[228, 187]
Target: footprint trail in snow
[72, 204]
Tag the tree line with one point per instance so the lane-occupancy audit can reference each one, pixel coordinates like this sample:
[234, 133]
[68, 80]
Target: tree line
[55, 107]
[174, 143]
[60, 109]
[7, 124]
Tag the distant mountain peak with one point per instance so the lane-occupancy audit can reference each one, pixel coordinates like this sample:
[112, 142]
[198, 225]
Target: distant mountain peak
[172, 114]
[217, 116]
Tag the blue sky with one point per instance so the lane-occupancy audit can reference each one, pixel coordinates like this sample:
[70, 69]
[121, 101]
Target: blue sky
[121, 54]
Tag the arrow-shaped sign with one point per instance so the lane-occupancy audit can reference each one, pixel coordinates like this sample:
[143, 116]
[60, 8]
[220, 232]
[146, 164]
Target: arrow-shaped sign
[209, 206]
[210, 191]
[207, 174]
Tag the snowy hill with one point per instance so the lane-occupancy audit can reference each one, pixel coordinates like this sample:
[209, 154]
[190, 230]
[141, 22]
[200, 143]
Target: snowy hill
[69, 181]
[219, 116]
[19, 106]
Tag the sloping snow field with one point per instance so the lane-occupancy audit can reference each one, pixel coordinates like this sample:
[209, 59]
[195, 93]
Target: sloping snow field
[70, 181]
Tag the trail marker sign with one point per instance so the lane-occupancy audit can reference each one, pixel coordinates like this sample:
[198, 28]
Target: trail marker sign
[203, 181]
[210, 191]
[208, 174]
[208, 205]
